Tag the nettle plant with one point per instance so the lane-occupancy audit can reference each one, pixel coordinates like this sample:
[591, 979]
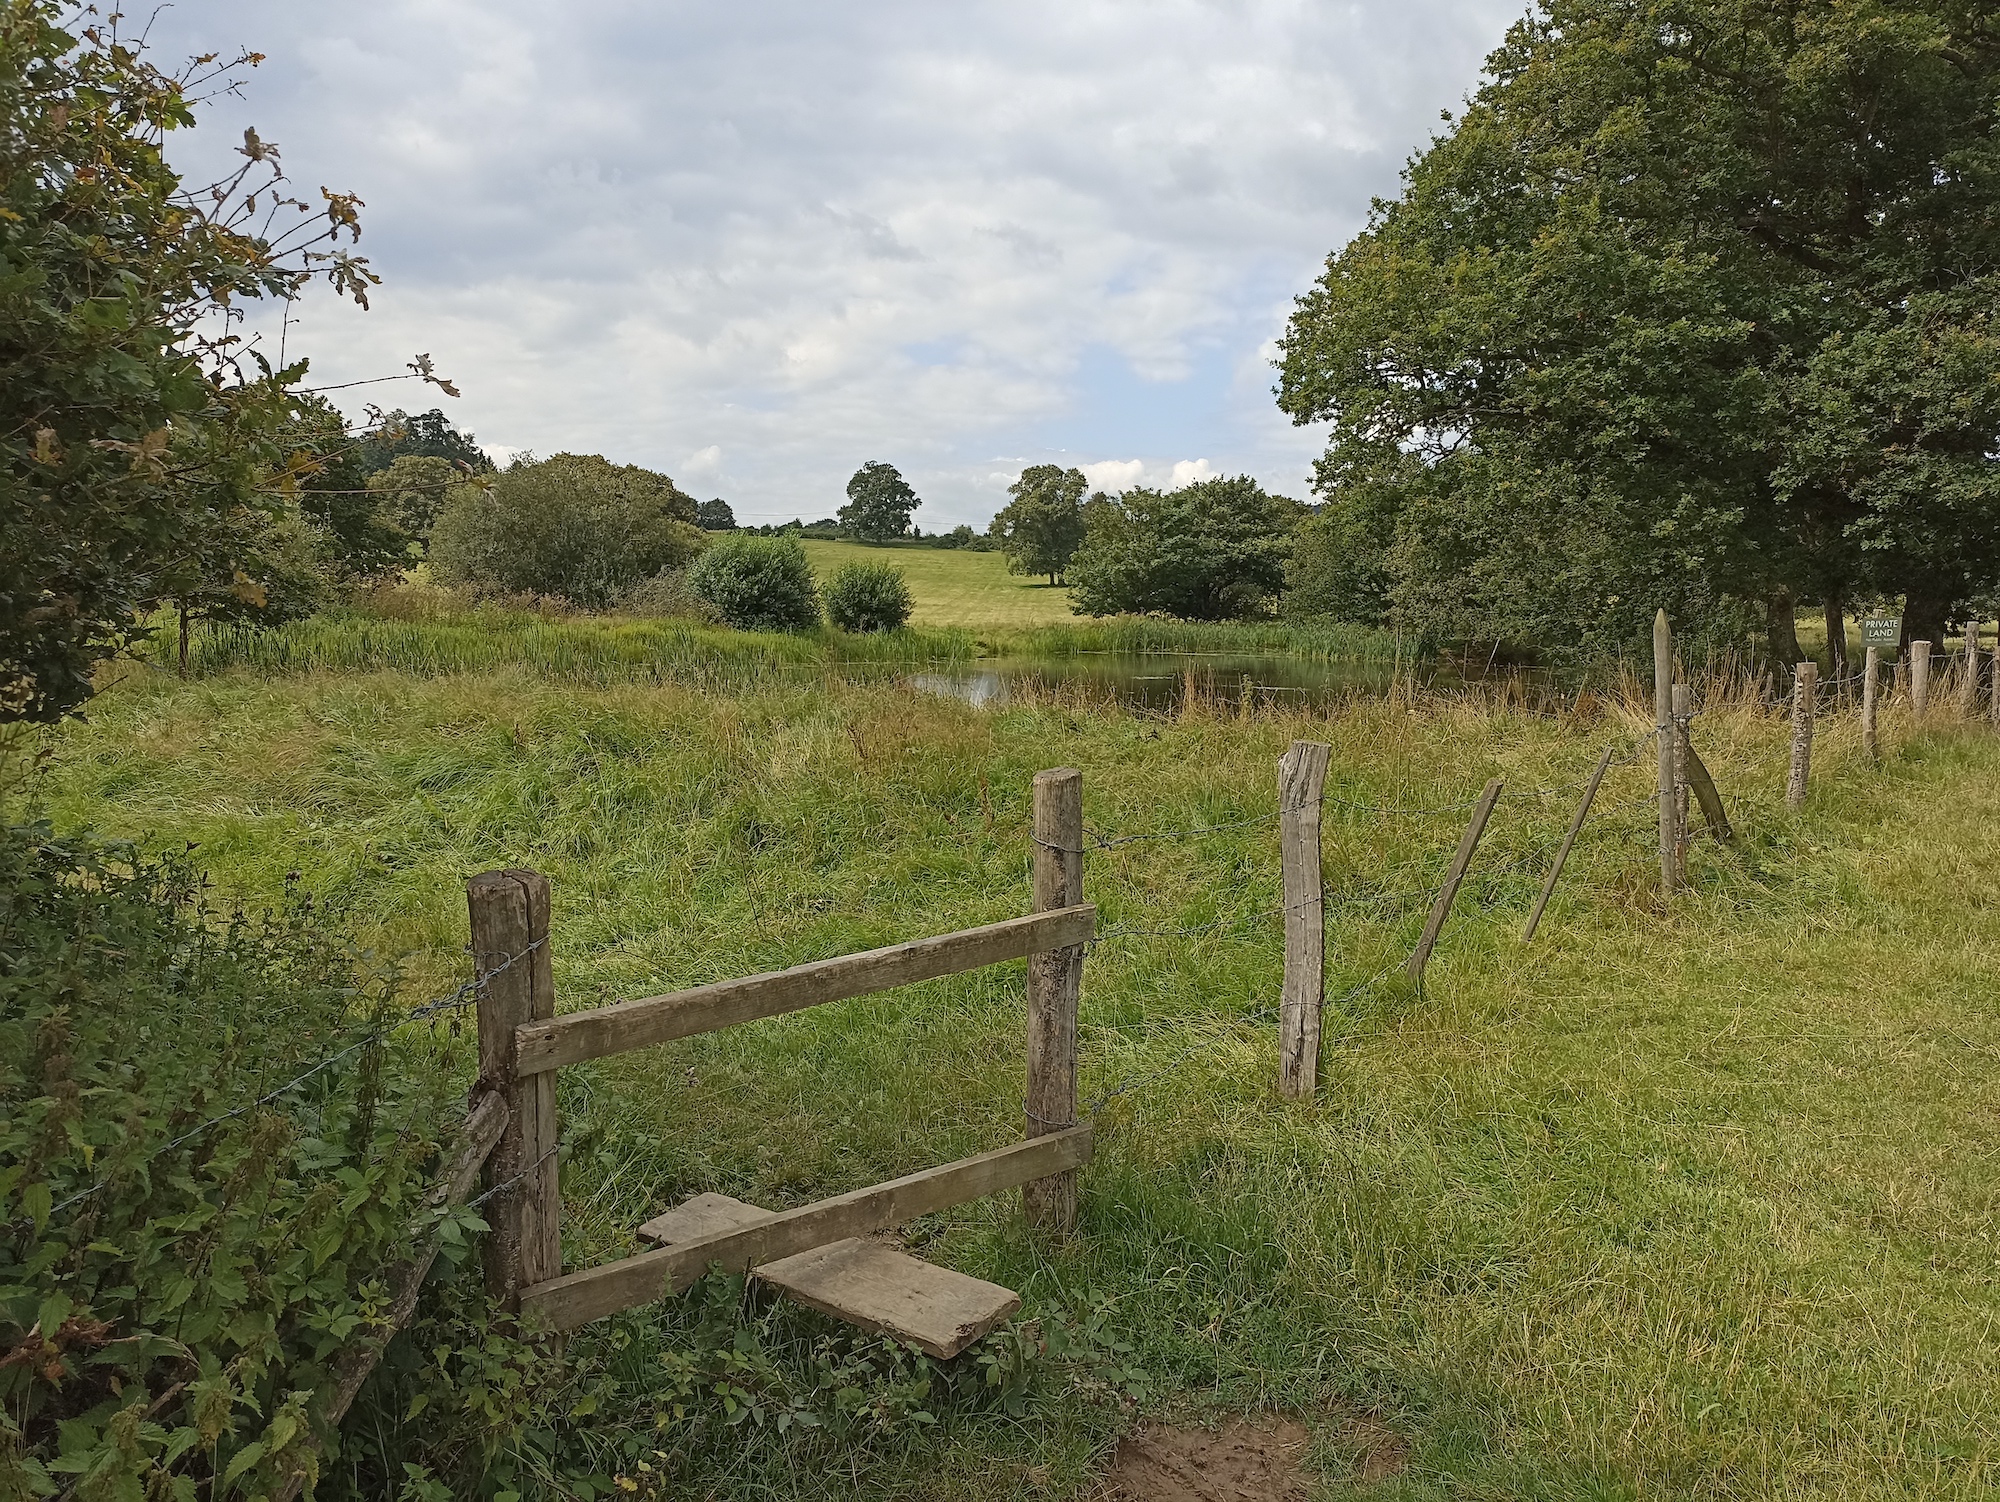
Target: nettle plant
[173, 1293]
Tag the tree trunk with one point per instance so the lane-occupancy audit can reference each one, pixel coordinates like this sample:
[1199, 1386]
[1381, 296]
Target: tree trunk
[1923, 618]
[1782, 629]
[1836, 636]
[184, 638]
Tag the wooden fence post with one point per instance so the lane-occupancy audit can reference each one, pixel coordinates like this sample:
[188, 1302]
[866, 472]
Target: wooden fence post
[1805, 689]
[1869, 745]
[1920, 677]
[1682, 708]
[1663, 726]
[1301, 781]
[1968, 686]
[1448, 894]
[1562, 855]
[1993, 703]
[1055, 983]
[510, 947]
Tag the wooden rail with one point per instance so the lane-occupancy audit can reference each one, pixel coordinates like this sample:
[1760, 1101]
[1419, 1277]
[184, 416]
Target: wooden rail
[571, 1039]
[577, 1298]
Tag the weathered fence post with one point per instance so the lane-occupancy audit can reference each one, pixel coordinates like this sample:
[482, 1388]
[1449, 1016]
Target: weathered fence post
[1681, 782]
[1968, 686]
[1805, 691]
[1562, 855]
[1869, 745]
[510, 949]
[1448, 893]
[1663, 727]
[1301, 781]
[1920, 677]
[1993, 703]
[1055, 983]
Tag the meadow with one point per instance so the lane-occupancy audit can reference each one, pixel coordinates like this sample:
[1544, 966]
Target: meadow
[1693, 1203]
[955, 586]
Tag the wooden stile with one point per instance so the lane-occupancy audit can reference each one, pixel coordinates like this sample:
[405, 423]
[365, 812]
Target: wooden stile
[1301, 782]
[1055, 986]
[1448, 894]
[576, 1298]
[510, 933]
[1805, 691]
[1869, 673]
[681, 1014]
[1562, 855]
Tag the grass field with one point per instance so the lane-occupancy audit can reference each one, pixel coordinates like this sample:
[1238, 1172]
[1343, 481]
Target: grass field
[1698, 1205]
[954, 587]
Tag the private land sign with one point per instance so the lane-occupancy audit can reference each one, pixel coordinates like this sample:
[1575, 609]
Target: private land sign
[1881, 631]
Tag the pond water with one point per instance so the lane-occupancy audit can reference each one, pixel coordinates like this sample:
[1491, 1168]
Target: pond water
[1160, 682]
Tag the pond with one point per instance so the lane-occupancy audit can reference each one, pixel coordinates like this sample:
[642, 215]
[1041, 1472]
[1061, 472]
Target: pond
[1159, 682]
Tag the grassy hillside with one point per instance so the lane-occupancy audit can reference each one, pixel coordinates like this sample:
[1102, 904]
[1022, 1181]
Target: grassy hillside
[955, 587]
[1697, 1205]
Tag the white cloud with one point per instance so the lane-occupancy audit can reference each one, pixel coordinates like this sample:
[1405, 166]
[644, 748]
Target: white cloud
[1188, 472]
[1115, 474]
[707, 461]
[810, 235]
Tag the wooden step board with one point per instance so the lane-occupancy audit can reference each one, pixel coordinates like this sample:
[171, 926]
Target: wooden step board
[862, 1281]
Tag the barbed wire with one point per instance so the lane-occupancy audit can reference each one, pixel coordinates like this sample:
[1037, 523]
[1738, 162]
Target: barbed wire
[460, 998]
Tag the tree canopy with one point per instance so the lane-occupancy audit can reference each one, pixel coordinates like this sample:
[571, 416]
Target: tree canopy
[1693, 307]
[879, 503]
[398, 434]
[1041, 528]
[715, 516]
[1211, 551]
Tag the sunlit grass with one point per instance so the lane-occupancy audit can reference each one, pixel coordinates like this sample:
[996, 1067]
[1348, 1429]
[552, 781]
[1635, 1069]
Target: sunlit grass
[1698, 1204]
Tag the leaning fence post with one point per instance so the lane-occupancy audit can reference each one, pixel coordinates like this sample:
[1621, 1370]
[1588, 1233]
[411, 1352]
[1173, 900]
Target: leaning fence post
[1869, 745]
[1055, 982]
[1301, 781]
[510, 949]
[1805, 689]
[1562, 855]
[1920, 677]
[1682, 779]
[1968, 686]
[1663, 727]
[1448, 893]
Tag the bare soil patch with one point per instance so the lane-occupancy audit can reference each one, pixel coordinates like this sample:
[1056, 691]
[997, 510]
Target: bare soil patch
[1252, 1458]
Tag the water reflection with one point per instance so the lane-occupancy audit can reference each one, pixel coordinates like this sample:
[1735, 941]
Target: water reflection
[1160, 682]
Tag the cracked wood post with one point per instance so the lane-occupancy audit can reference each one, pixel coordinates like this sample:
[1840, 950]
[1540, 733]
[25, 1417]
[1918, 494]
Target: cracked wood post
[1968, 685]
[1562, 855]
[1920, 678]
[510, 930]
[1448, 894]
[1301, 781]
[1663, 727]
[1055, 982]
[1805, 689]
[1869, 745]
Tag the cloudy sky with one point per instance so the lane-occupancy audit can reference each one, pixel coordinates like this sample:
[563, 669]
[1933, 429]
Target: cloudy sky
[754, 244]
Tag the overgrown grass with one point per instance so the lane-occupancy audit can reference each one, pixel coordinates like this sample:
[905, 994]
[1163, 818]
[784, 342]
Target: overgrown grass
[1698, 1204]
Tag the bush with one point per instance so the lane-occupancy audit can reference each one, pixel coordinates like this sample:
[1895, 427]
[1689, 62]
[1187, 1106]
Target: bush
[173, 1292]
[1338, 570]
[574, 525]
[868, 597]
[667, 596]
[757, 584]
[1212, 551]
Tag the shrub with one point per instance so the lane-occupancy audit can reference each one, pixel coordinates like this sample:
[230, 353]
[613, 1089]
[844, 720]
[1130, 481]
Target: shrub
[757, 583]
[574, 525]
[1337, 569]
[1212, 551]
[174, 1287]
[868, 597]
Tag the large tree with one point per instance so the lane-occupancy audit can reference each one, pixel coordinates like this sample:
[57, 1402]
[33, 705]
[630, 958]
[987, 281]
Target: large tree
[1692, 307]
[1211, 551]
[144, 455]
[1041, 528]
[879, 503]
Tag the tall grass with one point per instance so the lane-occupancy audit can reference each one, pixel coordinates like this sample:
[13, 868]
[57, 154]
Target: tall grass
[1319, 641]
[1695, 1203]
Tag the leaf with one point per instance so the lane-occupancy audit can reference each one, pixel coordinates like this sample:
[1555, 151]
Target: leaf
[244, 1458]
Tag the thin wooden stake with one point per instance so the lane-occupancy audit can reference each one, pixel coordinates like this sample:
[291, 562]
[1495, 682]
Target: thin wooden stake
[1663, 726]
[1441, 909]
[1705, 794]
[1920, 677]
[510, 931]
[1873, 667]
[1562, 855]
[1301, 781]
[1805, 689]
[1055, 984]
